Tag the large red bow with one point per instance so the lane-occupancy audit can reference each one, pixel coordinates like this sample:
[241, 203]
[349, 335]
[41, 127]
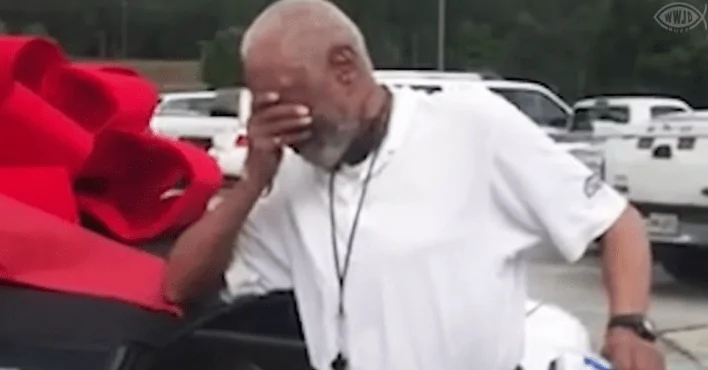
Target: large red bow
[75, 139]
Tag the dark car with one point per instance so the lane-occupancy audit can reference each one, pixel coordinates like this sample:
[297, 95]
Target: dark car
[52, 330]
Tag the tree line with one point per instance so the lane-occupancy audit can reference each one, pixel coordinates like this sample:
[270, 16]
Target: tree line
[578, 48]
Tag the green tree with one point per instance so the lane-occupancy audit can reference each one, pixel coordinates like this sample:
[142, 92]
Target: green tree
[221, 65]
[580, 46]
[36, 29]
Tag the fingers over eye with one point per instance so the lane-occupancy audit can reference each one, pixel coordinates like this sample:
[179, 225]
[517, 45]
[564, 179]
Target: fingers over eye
[262, 100]
[282, 111]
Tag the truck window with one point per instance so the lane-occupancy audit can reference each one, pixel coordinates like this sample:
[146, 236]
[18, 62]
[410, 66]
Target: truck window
[201, 105]
[583, 117]
[536, 105]
[660, 110]
[177, 104]
[430, 89]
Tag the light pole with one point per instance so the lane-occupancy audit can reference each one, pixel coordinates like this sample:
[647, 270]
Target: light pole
[441, 34]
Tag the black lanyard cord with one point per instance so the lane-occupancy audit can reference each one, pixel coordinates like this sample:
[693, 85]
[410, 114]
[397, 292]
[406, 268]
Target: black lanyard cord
[340, 361]
[340, 269]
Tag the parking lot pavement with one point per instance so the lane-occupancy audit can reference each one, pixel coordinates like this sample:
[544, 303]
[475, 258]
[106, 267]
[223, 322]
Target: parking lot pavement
[677, 308]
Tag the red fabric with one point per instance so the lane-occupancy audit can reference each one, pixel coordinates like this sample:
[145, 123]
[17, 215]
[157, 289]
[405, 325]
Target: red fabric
[46, 188]
[43, 251]
[202, 175]
[34, 133]
[81, 96]
[28, 59]
[90, 121]
[113, 98]
[136, 97]
[131, 203]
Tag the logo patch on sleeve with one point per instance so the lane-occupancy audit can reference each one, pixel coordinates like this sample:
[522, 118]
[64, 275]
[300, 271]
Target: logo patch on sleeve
[592, 185]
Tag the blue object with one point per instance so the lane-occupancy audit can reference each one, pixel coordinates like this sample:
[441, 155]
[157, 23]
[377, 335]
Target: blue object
[596, 364]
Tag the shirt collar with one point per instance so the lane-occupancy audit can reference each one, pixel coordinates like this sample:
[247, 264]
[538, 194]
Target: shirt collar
[400, 120]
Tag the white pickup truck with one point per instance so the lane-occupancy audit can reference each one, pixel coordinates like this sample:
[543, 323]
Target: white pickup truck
[594, 117]
[622, 110]
[662, 168]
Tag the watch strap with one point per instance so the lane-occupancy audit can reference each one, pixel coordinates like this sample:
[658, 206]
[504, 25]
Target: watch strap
[638, 323]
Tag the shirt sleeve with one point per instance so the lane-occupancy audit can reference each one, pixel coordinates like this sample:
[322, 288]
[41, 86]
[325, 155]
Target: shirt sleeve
[545, 190]
[260, 262]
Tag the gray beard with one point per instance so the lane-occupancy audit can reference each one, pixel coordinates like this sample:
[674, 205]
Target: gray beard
[329, 145]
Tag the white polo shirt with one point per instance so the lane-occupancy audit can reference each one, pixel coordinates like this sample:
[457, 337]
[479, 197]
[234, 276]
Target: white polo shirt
[462, 185]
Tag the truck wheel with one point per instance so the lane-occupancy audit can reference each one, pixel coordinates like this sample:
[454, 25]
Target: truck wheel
[686, 264]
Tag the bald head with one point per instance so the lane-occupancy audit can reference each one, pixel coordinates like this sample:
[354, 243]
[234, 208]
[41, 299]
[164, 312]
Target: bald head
[303, 31]
[310, 53]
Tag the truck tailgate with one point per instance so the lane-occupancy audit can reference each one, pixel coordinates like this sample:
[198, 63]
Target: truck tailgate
[661, 164]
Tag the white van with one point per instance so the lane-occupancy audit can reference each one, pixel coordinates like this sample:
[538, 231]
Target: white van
[662, 168]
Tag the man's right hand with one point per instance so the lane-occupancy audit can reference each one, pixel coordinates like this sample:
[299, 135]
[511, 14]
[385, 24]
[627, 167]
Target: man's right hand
[203, 252]
[272, 126]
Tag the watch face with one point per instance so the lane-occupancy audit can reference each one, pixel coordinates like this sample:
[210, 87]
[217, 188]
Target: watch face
[649, 326]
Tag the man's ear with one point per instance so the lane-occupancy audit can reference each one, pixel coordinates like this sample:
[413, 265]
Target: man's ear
[342, 59]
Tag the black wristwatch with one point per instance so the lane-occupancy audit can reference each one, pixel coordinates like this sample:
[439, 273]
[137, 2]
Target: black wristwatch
[637, 323]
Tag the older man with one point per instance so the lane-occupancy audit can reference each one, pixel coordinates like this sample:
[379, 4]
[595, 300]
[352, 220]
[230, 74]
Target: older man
[401, 219]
